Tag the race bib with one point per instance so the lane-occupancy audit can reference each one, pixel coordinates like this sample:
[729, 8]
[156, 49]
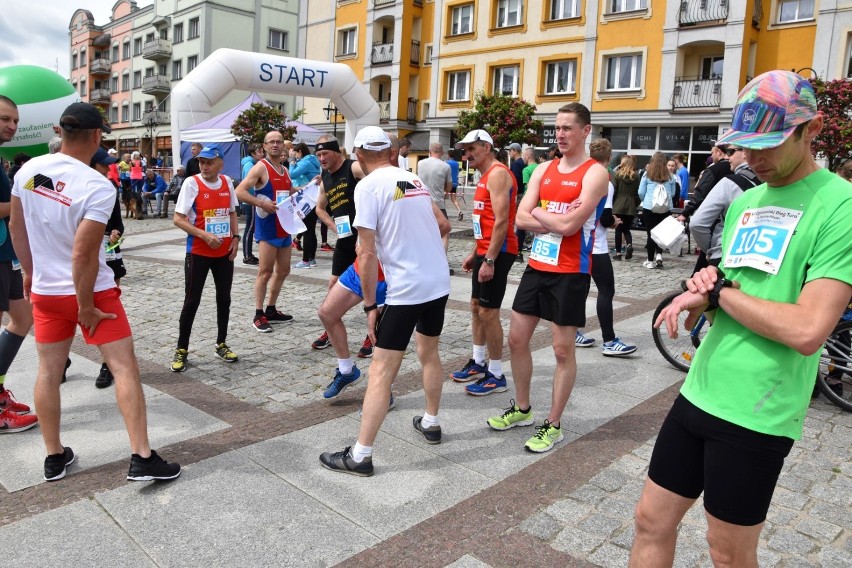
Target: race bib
[281, 195]
[761, 238]
[219, 226]
[110, 251]
[343, 226]
[545, 248]
[477, 228]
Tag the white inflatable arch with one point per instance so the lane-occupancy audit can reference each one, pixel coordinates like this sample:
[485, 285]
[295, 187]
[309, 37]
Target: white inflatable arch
[228, 69]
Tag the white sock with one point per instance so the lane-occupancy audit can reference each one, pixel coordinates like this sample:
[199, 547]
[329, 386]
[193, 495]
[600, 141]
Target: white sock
[495, 367]
[360, 452]
[479, 352]
[429, 420]
[345, 365]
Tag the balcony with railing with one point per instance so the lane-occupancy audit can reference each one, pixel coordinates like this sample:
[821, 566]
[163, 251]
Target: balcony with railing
[383, 3]
[156, 84]
[156, 117]
[382, 54]
[384, 111]
[694, 12]
[415, 52]
[100, 66]
[99, 96]
[157, 49]
[412, 110]
[697, 93]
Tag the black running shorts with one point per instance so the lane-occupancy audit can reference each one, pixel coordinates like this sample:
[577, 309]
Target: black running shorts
[555, 296]
[11, 285]
[490, 294]
[397, 323]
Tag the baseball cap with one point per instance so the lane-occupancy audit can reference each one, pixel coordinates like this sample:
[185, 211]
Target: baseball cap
[514, 146]
[83, 116]
[211, 151]
[103, 158]
[477, 135]
[769, 109]
[112, 151]
[372, 138]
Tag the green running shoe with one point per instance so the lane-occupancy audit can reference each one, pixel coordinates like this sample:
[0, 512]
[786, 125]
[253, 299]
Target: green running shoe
[511, 417]
[544, 438]
[179, 361]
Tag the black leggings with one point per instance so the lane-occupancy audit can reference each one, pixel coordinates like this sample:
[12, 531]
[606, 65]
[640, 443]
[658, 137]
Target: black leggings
[195, 270]
[651, 220]
[604, 279]
[309, 237]
[248, 231]
[623, 229]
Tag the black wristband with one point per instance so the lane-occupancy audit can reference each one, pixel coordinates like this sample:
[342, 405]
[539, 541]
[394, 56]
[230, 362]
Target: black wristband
[368, 309]
[713, 295]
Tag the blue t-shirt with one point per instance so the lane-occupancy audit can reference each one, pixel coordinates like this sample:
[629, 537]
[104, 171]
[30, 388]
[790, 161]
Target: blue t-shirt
[7, 253]
[454, 171]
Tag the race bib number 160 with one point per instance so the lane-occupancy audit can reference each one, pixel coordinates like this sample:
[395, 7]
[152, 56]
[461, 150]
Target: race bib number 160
[761, 238]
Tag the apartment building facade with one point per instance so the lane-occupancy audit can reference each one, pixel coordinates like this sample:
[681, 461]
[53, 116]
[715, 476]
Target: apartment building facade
[129, 65]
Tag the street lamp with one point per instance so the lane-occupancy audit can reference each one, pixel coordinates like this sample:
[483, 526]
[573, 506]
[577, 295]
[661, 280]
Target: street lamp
[152, 122]
[331, 111]
[799, 72]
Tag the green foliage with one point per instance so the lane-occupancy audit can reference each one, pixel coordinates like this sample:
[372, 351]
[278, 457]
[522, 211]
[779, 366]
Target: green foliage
[834, 99]
[506, 119]
[256, 121]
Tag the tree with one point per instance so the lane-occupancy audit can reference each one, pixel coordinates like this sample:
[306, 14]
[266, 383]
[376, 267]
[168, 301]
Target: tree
[506, 119]
[254, 122]
[834, 143]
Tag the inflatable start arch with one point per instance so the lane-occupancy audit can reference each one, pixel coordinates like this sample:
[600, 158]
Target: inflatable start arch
[226, 70]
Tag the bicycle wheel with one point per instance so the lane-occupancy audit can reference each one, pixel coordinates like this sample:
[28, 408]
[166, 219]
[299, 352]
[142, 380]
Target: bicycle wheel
[679, 352]
[835, 367]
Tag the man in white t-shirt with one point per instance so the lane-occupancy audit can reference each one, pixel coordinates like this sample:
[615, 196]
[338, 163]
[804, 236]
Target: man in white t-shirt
[399, 225]
[60, 207]
[404, 150]
[437, 176]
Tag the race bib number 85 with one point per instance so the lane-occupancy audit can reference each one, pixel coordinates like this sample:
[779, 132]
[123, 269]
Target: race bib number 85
[545, 248]
[761, 238]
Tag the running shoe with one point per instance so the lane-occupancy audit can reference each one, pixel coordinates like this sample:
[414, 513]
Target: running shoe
[326, 247]
[261, 324]
[277, 316]
[11, 422]
[321, 342]
[8, 402]
[470, 372]
[628, 253]
[511, 417]
[302, 264]
[546, 435]
[617, 256]
[432, 434]
[487, 385]
[55, 465]
[313, 263]
[583, 340]
[104, 377]
[366, 350]
[649, 264]
[658, 261]
[340, 381]
[252, 260]
[153, 468]
[617, 348]
[179, 360]
[224, 352]
[343, 463]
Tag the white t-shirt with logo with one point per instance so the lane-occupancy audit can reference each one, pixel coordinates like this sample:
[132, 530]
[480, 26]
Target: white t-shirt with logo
[57, 193]
[396, 205]
[601, 246]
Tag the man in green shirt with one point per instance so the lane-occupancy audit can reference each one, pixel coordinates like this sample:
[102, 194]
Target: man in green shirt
[784, 279]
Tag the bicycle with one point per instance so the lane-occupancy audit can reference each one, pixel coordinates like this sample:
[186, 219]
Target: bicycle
[679, 352]
[834, 377]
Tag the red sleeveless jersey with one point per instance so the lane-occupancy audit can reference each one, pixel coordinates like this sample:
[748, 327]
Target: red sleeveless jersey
[556, 193]
[212, 209]
[482, 209]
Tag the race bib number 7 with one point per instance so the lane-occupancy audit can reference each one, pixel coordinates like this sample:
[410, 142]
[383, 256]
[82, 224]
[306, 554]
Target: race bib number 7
[761, 238]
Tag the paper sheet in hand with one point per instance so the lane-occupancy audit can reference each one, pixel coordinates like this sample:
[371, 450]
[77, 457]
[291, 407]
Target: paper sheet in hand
[293, 209]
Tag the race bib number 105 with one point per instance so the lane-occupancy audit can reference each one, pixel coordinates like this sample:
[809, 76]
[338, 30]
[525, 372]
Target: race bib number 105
[761, 238]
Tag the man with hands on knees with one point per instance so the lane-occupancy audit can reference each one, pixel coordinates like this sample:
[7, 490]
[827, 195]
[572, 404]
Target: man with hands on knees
[784, 279]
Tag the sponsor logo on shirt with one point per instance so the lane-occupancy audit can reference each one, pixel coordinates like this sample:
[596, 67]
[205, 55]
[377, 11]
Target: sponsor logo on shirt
[478, 205]
[558, 207]
[43, 185]
[413, 188]
[215, 212]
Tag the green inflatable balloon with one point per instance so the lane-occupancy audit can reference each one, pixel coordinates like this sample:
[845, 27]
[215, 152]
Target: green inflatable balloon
[41, 96]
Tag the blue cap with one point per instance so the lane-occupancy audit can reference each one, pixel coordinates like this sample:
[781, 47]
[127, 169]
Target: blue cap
[103, 158]
[211, 151]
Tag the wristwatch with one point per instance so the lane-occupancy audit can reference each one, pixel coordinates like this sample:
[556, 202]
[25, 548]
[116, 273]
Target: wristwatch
[488, 261]
[713, 295]
[235, 237]
[368, 309]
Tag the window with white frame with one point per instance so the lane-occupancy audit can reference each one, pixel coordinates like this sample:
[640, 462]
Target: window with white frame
[564, 9]
[711, 67]
[137, 46]
[458, 86]
[191, 63]
[113, 84]
[137, 79]
[849, 58]
[505, 80]
[461, 19]
[177, 33]
[623, 72]
[617, 6]
[125, 49]
[795, 10]
[193, 28]
[560, 77]
[113, 114]
[83, 60]
[137, 111]
[115, 54]
[83, 92]
[509, 13]
[149, 37]
[347, 41]
[74, 60]
[177, 69]
[427, 55]
[125, 81]
[125, 113]
[277, 39]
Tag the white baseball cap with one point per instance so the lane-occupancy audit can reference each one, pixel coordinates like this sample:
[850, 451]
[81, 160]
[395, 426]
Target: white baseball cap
[372, 138]
[477, 135]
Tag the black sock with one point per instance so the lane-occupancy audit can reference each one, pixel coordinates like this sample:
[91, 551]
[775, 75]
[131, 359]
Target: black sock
[258, 313]
[525, 411]
[270, 308]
